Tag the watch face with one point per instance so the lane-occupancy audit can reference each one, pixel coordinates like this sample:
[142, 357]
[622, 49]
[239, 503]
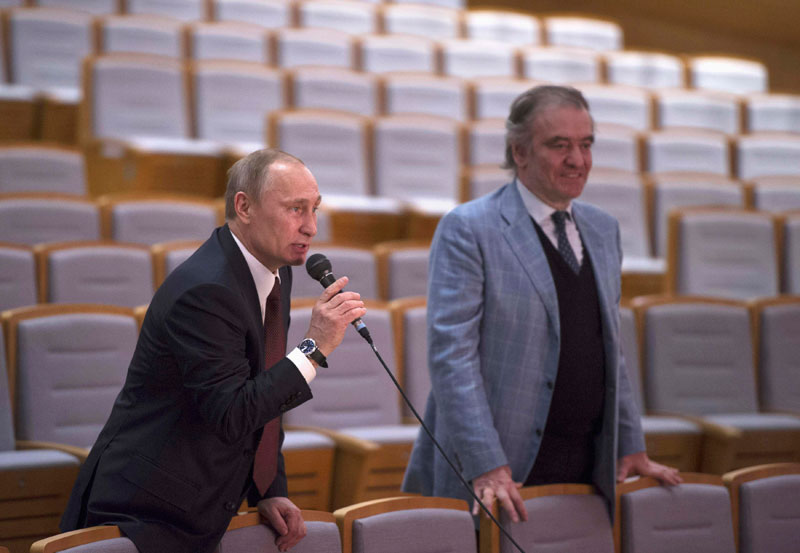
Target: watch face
[307, 346]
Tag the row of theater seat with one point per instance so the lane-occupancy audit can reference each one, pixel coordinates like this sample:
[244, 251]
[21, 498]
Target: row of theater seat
[745, 511]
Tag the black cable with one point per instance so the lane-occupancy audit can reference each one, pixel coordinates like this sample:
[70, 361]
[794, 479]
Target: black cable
[439, 447]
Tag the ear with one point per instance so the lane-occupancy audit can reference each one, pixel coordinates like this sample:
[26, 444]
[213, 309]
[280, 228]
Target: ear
[519, 152]
[242, 205]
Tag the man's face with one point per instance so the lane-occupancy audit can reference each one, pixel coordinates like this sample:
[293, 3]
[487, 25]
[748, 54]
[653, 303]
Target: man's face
[277, 228]
[556, 164]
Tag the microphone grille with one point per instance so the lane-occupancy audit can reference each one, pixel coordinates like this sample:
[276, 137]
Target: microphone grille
[317, 265]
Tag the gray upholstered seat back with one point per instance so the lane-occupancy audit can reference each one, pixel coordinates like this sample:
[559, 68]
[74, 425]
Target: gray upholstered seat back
[699, 359]
[100, 274]
[322, 537]
[70, 369]
[408, 272]
[17, 278]
[730, 255]
[354, 390]
[34, 220]
[151, 222]
[6, 422]
[630, 350]
[417, 530]
[687, 518]
[562, 524]
[114, 545]
[779, 357]
[358, 264]
[34, 169]
[791, 253]
[769, 509]
[415, 346]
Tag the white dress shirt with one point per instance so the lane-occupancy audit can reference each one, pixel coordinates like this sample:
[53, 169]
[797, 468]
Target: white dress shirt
[265, 280]
[541, 213]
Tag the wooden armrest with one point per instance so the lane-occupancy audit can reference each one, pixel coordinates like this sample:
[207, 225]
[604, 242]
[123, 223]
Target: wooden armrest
[79, 452]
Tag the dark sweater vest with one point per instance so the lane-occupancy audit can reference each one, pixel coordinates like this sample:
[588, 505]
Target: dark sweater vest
[566, 453]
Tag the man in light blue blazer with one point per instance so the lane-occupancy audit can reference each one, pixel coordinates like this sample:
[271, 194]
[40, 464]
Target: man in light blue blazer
[528, 381]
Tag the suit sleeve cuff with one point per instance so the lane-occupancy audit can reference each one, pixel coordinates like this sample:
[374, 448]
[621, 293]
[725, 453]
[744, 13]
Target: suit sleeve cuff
[303, 365]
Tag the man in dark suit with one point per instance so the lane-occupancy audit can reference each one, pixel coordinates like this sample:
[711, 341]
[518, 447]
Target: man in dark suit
[196, 426]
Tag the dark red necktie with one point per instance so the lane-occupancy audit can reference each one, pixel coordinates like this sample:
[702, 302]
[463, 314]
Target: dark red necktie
[266, 460]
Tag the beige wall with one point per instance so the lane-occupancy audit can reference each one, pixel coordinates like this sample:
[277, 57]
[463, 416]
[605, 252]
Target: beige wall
[768, 30]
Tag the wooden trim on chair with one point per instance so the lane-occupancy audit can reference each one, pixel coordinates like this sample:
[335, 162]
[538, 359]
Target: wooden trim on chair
[75, 538]
[159, 252]
[254, 519]
[346, 515]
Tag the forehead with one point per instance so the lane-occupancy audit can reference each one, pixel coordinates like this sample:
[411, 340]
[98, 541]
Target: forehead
[562, 121]
[290, 182]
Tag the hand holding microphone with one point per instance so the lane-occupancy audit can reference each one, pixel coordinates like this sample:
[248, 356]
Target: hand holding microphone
[335, 308]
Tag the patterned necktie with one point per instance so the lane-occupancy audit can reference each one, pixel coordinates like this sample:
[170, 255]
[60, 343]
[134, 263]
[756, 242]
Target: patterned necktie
[266, 460]
[564, 247]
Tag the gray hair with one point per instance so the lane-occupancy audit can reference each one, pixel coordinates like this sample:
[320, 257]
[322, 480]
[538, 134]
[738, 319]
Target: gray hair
[249, 175]
[525, 108]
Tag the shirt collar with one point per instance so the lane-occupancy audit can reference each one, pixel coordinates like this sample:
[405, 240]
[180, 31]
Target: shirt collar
[264, 278]
[538, 210]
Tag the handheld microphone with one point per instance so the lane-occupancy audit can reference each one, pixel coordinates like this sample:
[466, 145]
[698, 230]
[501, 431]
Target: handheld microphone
[319, 268]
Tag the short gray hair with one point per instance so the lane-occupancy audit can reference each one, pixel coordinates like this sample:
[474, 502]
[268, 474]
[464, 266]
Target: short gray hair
[249, 175]
[525, 108]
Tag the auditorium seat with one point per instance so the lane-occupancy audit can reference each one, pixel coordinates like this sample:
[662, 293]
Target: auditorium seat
[168, 255]
[772, 112]
[94, 7]
[152, 218]
[183, 10]
[36, 218]
[333, 88]
[486, 142]
[379, 53]
[620, 105]
[86, 540]
[688, 150]
[722, 252]
[18, 284]
[142, 34]
[355, 400]
[652, 70]
[436, 22]
[454, 4]
[101, 272]
[767, 154]
[791, 252]
[358, 264]
[420, 524]
[247, 533]
[562, 518]
[333, 144]
[360, 220]
[616, 147]
[515, 28]
[583, 32]
[409, 316]
[42, 168]
[270, 14]
[777, 326]
[417, 157]
[229, 40]
[471, 58]
[492, 97]
[560, 64]
[673, 441]
[232, 101]
[35, 478]
[693, 516]
[698, 109]
[420, 93]
[480, 180]
[774, 193]
[308, 458]
[670, 191]
[402, 269]
[305, 46]
[765, 501]
[728, 74]
[699, 362]
[137, 129]
[61, 396]
[347, 16]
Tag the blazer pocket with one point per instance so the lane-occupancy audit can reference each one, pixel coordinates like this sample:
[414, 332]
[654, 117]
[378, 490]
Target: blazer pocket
[145, 474]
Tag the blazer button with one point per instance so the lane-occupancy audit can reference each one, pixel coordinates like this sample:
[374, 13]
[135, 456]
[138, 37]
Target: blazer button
[230, 506]
[550, 384]
[539, 432]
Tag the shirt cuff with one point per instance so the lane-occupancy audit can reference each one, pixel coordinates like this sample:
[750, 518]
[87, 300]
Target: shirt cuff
[303, 365]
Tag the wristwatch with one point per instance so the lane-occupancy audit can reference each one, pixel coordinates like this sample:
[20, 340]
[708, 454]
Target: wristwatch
[309, 348]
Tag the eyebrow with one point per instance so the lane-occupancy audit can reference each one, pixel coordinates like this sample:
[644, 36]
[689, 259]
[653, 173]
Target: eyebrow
[554, 139]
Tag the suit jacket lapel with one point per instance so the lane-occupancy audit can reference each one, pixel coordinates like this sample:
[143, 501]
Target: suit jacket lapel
[524, 242]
